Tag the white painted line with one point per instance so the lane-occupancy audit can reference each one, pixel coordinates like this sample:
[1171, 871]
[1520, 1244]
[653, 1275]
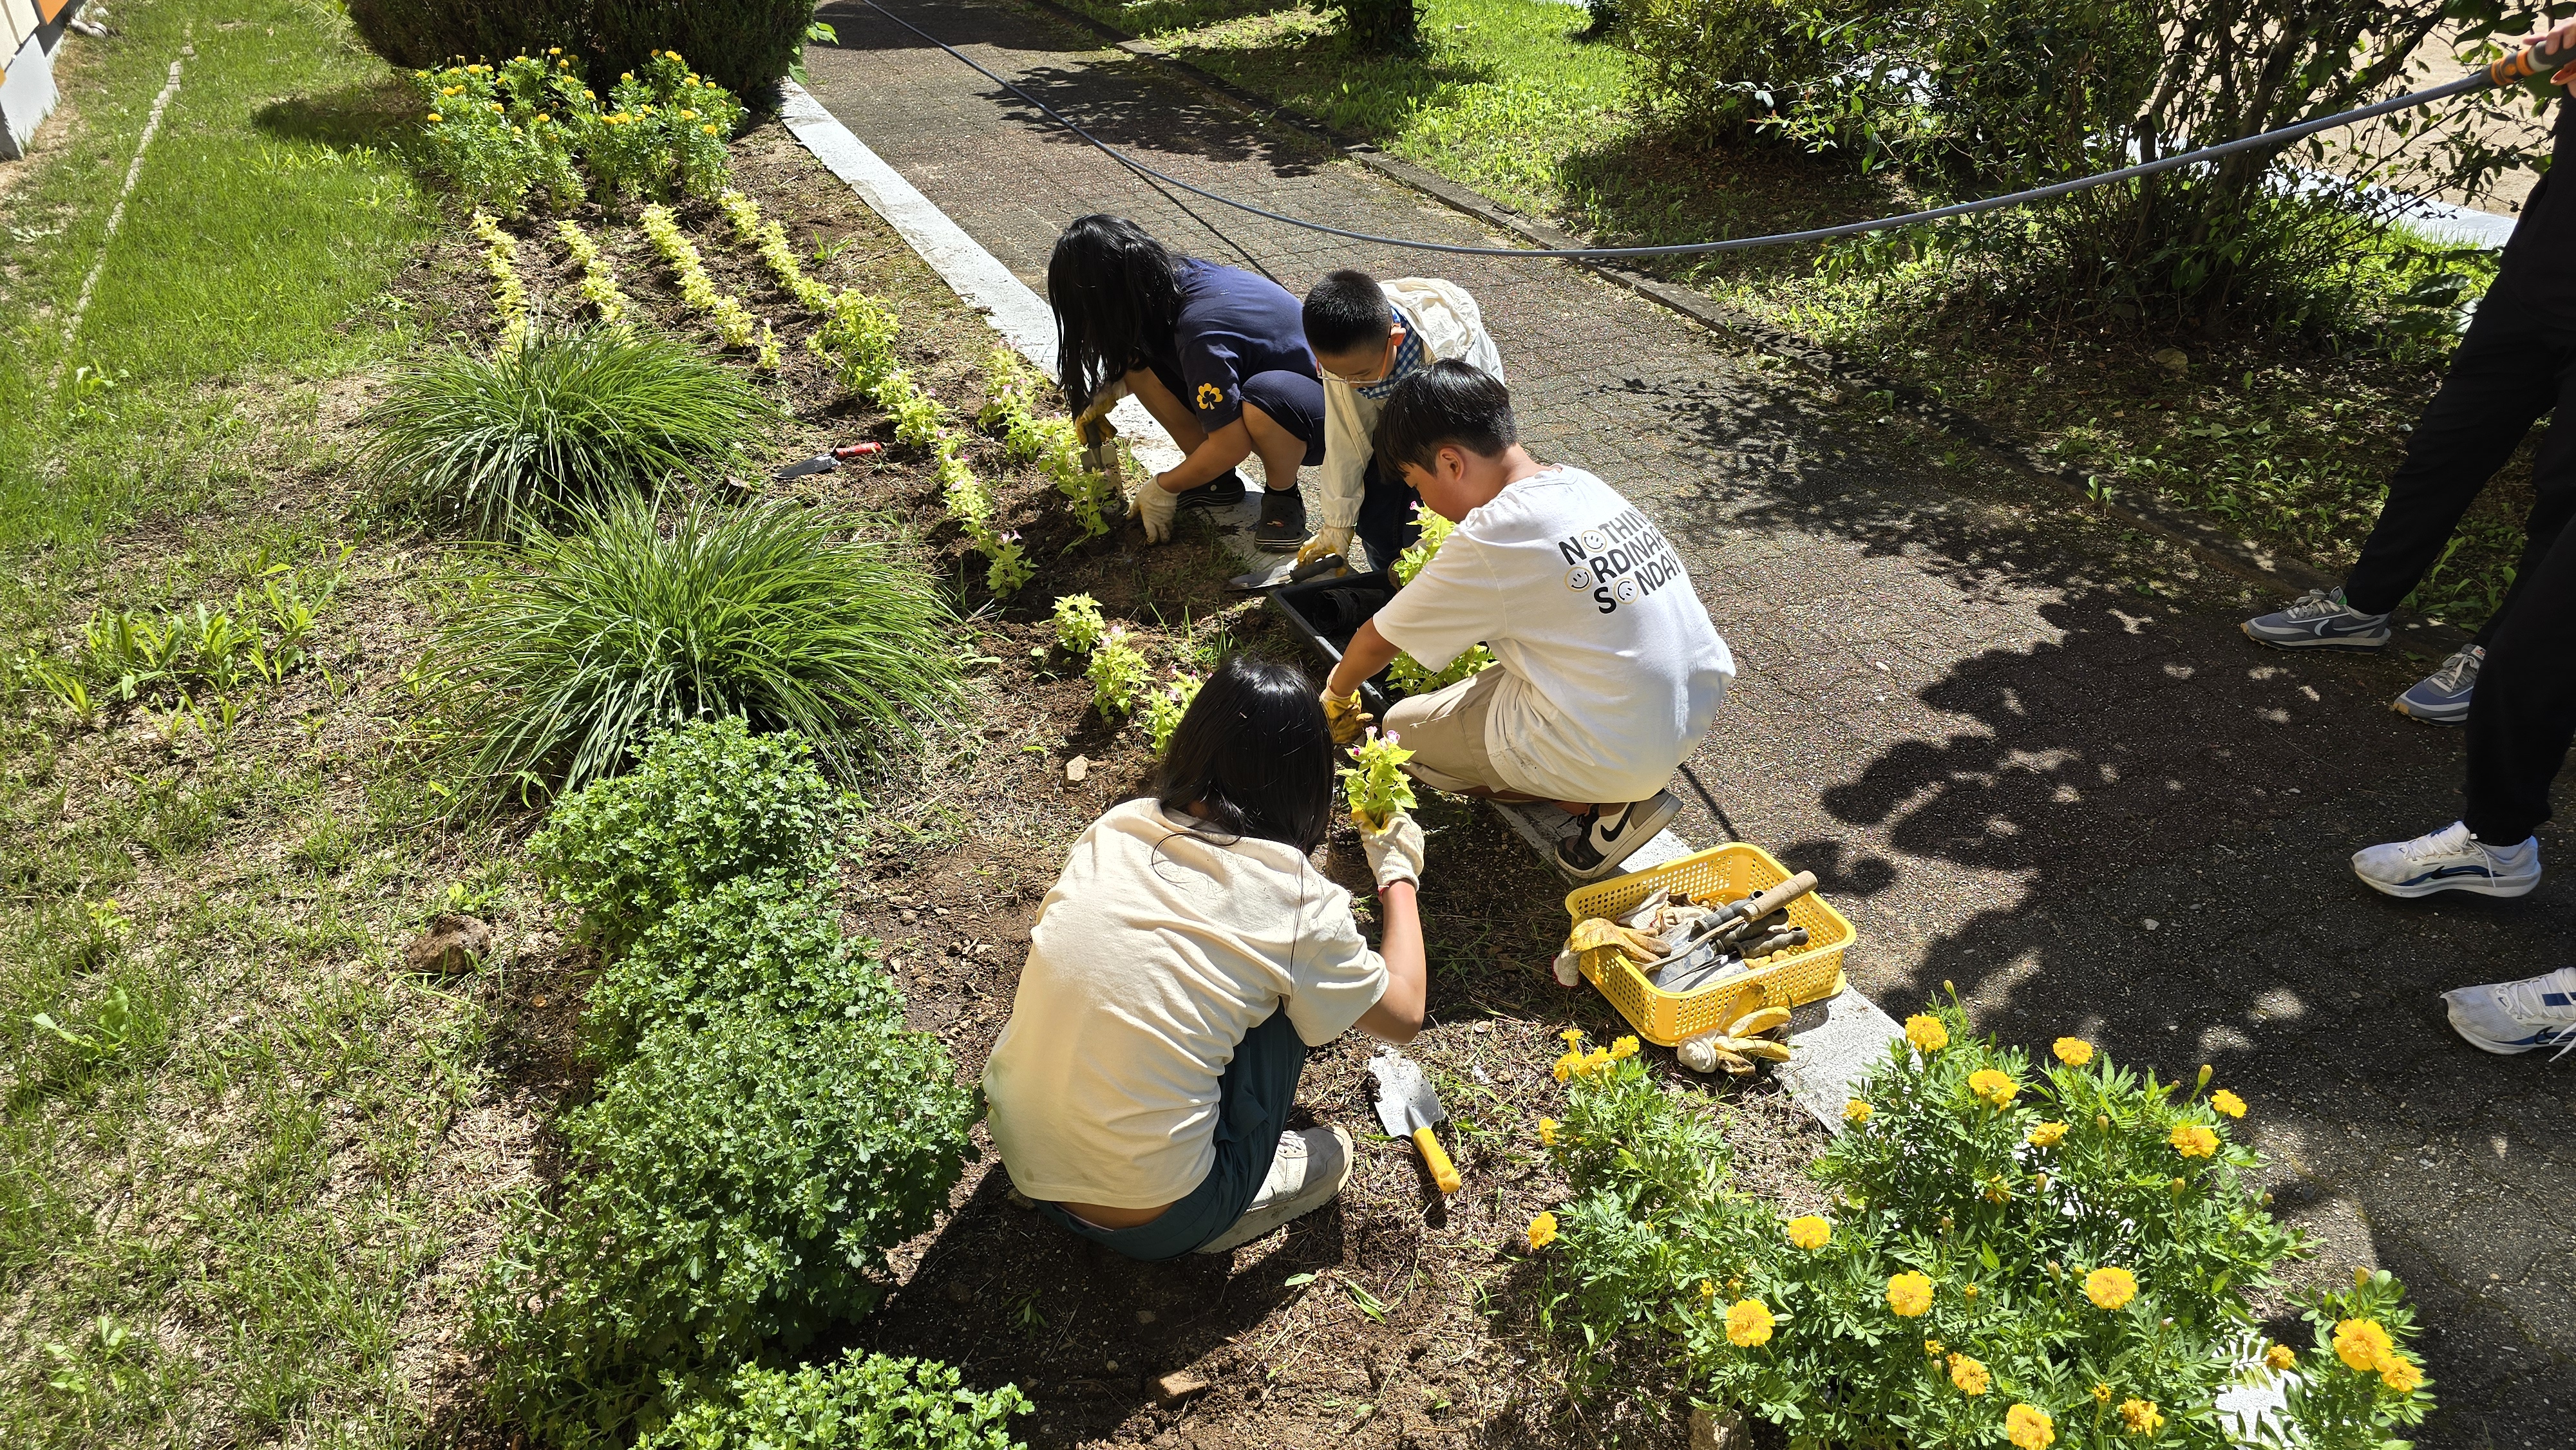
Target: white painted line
[115, 219]
[1831, 1056]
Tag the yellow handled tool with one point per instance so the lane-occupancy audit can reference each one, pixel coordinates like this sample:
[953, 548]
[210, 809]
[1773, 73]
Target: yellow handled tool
[1407, 1107]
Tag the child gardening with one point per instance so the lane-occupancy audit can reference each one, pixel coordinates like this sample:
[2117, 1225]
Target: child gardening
[1369, 336]
[1607, 669]
[1187, 960]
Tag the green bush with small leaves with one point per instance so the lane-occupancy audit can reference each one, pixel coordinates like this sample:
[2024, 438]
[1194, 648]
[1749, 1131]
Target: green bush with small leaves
[707, 802]
[736, 1184]
[2015, 1256]
[864, 1402]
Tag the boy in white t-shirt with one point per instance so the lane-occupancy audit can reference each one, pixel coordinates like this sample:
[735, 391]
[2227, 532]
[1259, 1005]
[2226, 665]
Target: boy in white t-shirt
[1608, 670]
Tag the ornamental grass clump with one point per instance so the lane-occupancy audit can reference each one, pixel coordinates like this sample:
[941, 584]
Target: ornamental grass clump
[574, 647]
[535, 434]
[2074, 1267]
[861, 1402]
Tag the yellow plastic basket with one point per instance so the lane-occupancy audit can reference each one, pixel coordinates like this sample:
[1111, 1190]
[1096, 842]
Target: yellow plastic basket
[1719, 874]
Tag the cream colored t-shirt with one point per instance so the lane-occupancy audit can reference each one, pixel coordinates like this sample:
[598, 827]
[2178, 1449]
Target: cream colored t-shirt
[1155, 955]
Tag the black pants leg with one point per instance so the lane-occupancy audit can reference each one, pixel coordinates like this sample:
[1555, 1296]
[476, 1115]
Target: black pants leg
[1386, 522]
[2510, 370]
[2524, 711]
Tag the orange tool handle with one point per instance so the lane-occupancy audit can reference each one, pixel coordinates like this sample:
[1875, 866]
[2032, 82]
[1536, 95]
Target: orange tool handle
[1436, 1158]
[2527, 62]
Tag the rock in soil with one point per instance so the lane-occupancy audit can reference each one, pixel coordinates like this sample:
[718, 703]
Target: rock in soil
[454, 944]
[1710, 1430]
[1177, 1386]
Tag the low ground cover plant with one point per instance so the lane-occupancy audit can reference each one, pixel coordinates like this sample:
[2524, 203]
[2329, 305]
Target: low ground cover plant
[532, 435]
[573, 647]
[1010, 388]
[771, 937]
[2017, 1254]
[862, 1402]
[733, 322]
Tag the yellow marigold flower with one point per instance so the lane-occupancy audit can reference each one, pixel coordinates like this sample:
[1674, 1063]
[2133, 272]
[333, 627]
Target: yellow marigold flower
[2073, 1051]
[2101, 1394]
[1968, 1375]
[1932, 1348]
[2362, 1345]
[2228, 1103]
[1708, 1291]
[1572, 1037]
[2401, 1375]
[710, 130]
[1623, 1049]
[2139, 1417]
[1810, 1231]
[2047, 1135]
[554, 50]
[626, 75]
[2192, 1140]
[1542, 1231]
[1564, 1066]
[436, 117]
[1547, 1132]
[2110, 1288]
[563, 65]
[687, 114]
[2029, 1428]
[1968, 1291]
[1910, 1295]
[1993, 1087]
[1857, 1111]
[2280, 1357]
[1926, 1032]
[1748, 1324]
[1596, 1060]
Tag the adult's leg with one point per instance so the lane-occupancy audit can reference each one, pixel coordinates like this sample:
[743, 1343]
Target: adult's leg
[1284, 412]
[1168, 410]
[2524, 712]
[2503, 378]
[1386, 522]
[2553, 484]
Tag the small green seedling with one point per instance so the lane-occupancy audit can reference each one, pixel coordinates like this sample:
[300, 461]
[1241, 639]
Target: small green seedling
[1165, 707]
[1377, 786]
[1435, 532]
[1117, 673]
[1078, 625]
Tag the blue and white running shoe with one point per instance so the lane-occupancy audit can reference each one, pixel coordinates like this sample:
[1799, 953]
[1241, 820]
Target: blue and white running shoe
[2510, 1017]
[2320, 619]
[2442, 697]
[2450, 859]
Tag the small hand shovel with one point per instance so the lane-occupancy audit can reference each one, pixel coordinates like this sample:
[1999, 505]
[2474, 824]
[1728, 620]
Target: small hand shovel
[826, 461]
[1408, 1107]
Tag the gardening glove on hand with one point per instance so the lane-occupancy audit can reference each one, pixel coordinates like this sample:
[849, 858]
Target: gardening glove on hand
[1156, 506]
[1345, 716]
[1395, 853]
[1327, 540]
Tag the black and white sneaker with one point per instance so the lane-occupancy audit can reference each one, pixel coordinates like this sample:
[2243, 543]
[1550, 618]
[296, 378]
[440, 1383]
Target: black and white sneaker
[1608, 838]
[1221, 492]
[1282, 529]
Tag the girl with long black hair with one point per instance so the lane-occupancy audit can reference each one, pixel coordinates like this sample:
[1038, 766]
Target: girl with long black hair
[1187, 960]
[1216, 354]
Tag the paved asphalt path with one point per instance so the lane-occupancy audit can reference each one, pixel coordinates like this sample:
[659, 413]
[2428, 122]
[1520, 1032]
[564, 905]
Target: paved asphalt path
[2097, 811]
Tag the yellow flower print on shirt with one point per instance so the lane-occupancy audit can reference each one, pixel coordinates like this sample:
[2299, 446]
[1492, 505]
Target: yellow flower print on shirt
[1210, 395]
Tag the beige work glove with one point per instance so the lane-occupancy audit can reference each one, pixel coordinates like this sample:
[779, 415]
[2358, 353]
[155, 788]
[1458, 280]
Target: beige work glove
[1394, 854]
[1345, 717]
[1156, 506]
[1327, 540]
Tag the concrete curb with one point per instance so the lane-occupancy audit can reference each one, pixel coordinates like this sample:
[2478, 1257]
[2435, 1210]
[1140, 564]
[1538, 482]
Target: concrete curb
[1855, 1031]
[2214, 544]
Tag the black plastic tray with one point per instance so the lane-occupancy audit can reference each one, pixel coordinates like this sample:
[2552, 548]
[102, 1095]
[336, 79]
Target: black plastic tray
[1326, 625]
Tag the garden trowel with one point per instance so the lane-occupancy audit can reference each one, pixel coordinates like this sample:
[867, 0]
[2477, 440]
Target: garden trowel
[1407, 1107]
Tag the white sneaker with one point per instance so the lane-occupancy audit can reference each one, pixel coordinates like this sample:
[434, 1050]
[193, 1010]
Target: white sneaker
[2510, 1017]
[2450, 859]
[1306, 1173]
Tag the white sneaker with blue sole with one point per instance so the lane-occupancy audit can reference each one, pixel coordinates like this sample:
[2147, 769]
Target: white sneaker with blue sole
[2442, 697]
[2320, 620]
[2449, 859]
[2511, 1017]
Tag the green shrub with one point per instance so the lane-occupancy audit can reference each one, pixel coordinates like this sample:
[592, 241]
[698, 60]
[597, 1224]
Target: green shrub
[532, 436]
[575, 646]
[415, 34]
[865, 1402]
[1729, 69]
[772, 937]
[2010, 1248]
[746, 46]
[706, 803]
[735, 1184]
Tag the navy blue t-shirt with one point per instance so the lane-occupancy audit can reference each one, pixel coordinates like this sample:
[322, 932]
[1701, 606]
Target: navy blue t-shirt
[1233, 326]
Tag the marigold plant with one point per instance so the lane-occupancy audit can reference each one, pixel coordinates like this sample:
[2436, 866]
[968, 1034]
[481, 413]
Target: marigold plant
[2021, 1223]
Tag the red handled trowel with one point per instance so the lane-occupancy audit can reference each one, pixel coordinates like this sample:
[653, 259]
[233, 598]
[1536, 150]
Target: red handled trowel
[1407, 1107]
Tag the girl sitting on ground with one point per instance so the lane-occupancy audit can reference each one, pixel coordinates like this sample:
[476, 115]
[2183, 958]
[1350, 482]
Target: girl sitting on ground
[1216, 354]
[1184, 964]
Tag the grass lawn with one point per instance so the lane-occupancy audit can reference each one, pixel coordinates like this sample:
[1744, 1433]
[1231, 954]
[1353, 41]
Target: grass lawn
[2289, 442]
